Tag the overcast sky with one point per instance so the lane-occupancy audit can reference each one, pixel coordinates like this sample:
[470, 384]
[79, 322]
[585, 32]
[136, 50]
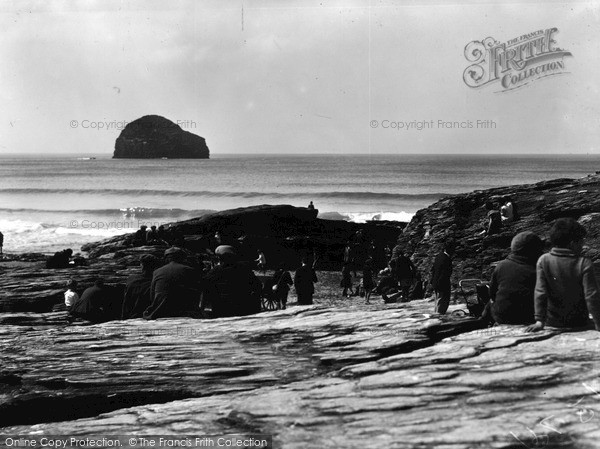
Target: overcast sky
[290, 77]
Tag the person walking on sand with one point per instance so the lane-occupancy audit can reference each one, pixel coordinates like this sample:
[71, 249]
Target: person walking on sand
[566, 290]
[282, 281]
[440, 278]
[304, 280]
[346, 282]
[367, 280]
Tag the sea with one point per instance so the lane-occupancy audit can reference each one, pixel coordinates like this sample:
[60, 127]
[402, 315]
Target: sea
[53, 202]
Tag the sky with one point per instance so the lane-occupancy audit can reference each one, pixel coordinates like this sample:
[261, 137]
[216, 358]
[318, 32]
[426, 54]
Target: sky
[293, 76]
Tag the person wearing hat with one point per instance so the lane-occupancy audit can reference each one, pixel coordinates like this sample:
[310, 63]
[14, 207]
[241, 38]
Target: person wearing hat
[231, 288]
[304, 282]
[174, 288]
[93, 304]
[513, 281]
[137, 296]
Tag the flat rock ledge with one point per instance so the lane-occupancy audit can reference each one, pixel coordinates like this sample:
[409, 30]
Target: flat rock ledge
[310, 376]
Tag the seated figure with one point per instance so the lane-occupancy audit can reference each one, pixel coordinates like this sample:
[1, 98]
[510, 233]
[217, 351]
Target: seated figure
[566, 291]
[513, 281]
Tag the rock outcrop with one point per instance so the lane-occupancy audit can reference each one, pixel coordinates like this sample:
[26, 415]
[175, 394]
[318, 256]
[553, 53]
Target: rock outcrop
[308, 376]
[461, 218]
[153, 136]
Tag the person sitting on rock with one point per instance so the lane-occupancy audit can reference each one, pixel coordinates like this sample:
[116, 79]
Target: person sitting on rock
[71, 296]
[152, 236]
[93, 304]
[493, 220]
[174, 289]
[311, 206]
[60, 259]
[507, 211]
[566, 291]
[304, 282]
[139, 238]
[231, 288]
[137, 297]
[513, 281]
[162, 234]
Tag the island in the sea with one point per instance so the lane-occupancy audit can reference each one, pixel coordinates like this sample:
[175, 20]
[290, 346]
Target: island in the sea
[155, 137]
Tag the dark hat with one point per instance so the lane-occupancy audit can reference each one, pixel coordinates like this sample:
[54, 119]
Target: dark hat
[527, 244]
[173, 251]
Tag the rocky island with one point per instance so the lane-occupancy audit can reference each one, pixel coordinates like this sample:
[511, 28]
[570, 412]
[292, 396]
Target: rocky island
[155, 137]
[337, 374]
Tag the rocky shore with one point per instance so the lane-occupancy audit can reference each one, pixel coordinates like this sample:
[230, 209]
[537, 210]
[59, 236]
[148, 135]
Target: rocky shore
[338, 374]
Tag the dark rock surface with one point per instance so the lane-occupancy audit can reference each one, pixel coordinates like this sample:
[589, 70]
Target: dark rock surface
[153, 136]
[312, 377]
[285, 234]
[460, 217]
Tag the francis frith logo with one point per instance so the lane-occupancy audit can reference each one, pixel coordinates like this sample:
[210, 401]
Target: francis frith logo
[514, 63]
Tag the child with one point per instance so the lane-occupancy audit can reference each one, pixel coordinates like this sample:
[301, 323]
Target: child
[346, 282]
[566, 291]
[71, 296]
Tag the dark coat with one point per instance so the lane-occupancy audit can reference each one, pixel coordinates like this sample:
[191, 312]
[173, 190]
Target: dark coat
[137, 296]
[304, 280]
[232, 290]
[93, 304]
[441, 272]
[174, 291]
[511, 290]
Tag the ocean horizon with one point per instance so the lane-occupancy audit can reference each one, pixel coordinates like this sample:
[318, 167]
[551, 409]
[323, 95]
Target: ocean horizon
[50, 202]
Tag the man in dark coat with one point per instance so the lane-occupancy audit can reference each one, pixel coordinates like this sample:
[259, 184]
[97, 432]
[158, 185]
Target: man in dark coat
[137, 296]
[231, 288]
[440, 278]
[513, 281]
[174, 289]
[304, 280]
[93, 304]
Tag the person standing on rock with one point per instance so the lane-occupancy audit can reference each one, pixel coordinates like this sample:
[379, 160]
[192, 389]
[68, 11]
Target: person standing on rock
[1, 242]
[405, 272]
[231, 288]
[174, 289]
[304, 280]
[566, 290]
[137, 297]
[440, 278]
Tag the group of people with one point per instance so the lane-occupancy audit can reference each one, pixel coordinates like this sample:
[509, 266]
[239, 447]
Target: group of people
[398, 281]
[176, 289]
[556, 289]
